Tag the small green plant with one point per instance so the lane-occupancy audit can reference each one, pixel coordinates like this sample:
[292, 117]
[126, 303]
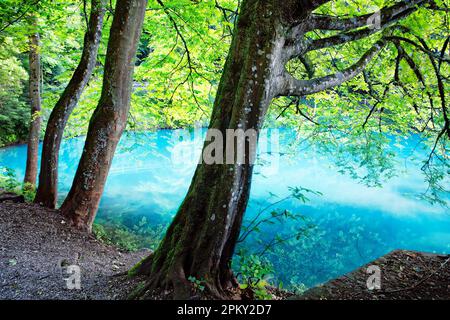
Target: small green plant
[259, 289]
[100, 233]
[198, 284]
[28, 191]
[8, 180]
[253, 266]
[269, 215]
[254, 273]
[259, 238]
[10, 183]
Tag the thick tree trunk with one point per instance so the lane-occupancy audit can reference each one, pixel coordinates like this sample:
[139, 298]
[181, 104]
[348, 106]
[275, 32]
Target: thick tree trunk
[48, 177]
[35, 100]
[200, 241]
[110, 117]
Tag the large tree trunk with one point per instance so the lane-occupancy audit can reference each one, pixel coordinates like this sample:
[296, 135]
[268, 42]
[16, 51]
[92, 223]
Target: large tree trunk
[48, 177]
[35, 100]
[200, 241]
[110, 116]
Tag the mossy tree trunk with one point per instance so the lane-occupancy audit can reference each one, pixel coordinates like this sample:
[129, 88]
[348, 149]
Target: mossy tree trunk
[110, 116]
[35, 102]
[47, 191]
[200, 241]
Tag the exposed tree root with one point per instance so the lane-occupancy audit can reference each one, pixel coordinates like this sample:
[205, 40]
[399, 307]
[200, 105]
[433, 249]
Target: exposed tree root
[173, 283]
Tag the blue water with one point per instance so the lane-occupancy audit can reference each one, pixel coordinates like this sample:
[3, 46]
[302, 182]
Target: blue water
[347, 226]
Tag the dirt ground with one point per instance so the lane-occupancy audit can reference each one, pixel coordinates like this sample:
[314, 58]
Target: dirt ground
[405, 275]
[37, 248]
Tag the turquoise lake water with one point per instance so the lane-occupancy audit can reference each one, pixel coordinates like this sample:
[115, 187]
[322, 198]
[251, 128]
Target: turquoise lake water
[350, 224]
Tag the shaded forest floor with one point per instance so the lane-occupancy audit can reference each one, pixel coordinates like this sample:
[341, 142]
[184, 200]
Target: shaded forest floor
[37, 246]
[405, 275]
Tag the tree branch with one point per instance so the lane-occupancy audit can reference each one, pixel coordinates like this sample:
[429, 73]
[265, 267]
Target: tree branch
[368, 30]
[325, 22]
[291, 86]
[20, 14]
[431, 54]
[314, 4]
[307, 63]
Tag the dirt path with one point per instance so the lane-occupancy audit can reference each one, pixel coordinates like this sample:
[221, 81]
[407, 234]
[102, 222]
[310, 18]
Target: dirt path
[36, 248]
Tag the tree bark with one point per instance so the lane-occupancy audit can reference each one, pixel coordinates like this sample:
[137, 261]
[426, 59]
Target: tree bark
[200, 241]
[110, 116]
[35, 101]
[47, 191]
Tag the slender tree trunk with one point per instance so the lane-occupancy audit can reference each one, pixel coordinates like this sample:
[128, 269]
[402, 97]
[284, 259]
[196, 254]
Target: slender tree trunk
[47, 191]
[35, 100]
[200, 241]
[110, 117]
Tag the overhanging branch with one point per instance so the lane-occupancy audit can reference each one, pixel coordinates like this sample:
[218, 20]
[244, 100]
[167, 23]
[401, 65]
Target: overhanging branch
[290, 86]
[369, 29]
[326, 22]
